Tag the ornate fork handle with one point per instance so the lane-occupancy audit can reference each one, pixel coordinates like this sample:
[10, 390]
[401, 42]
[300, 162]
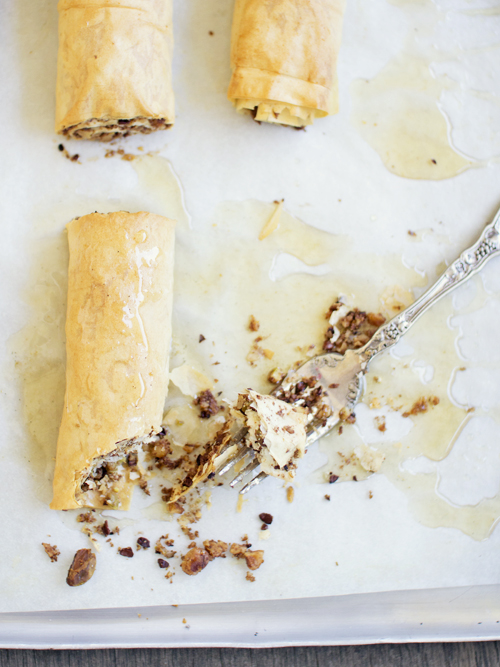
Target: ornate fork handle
[469, 263]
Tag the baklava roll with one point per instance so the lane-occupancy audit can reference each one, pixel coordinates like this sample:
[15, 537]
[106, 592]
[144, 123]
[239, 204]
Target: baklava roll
[118, 331]
[284, 59]
[114, 68]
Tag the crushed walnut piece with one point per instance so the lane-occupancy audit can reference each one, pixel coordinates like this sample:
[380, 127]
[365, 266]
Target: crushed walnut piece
[144, 487]
[253, 559]
[143, 543]
[82, 568]
[380, 424]
[104, 529]
[51, 551]
[266, 518]
[195, 561]
[160, 451]
[215, 548]
[249, 577]
[86, 517]
[207, 404]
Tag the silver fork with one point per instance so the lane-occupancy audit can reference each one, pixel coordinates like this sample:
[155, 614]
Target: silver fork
[341, 376]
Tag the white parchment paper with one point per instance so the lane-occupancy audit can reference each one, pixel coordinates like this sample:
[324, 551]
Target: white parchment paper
[331, 179]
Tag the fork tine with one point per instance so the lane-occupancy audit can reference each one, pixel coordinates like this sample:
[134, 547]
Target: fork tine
[237, 458]
[253, 482]
[247, 469]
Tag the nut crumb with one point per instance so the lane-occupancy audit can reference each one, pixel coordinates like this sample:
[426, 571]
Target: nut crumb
[195, 561]
[51, 551]
[143, 542]
[215, 548]
[421, 405]
[253, 559]
[290, 493]
[266, 518]
[332, 478]
[253, 325]
[127, 552]
[249, 577]
[327, 497]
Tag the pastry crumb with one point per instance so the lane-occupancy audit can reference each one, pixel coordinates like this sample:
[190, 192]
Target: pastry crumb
[253, 324]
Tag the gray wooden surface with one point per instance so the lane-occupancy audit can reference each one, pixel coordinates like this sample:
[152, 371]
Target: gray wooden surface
[474, 654]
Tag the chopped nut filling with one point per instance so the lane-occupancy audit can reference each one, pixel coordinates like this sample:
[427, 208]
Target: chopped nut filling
[349, 329]
[207, 404]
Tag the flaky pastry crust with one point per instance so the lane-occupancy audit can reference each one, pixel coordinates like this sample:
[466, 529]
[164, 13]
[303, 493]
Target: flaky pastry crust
[114, 68]
[284, 59]
[118, 331]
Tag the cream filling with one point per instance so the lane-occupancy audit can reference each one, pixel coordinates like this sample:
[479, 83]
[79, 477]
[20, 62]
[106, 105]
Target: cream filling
[277, 112]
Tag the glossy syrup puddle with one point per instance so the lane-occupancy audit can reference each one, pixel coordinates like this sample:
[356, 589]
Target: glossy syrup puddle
[222, 276]
[398, 111]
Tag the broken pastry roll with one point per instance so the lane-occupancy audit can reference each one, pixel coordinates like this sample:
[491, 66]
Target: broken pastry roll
[284, 59]
[118, 331]
[276, 432]
[114, 68]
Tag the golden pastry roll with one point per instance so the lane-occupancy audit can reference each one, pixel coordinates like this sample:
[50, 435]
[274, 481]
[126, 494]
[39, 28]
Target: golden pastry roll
[118, 331]
[284, 59]
[114, 68]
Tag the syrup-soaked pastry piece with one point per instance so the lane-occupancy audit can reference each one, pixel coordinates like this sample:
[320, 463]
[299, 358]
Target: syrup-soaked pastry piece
[276, 431]
[118, 331]
[284, 59]
[114, 68]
